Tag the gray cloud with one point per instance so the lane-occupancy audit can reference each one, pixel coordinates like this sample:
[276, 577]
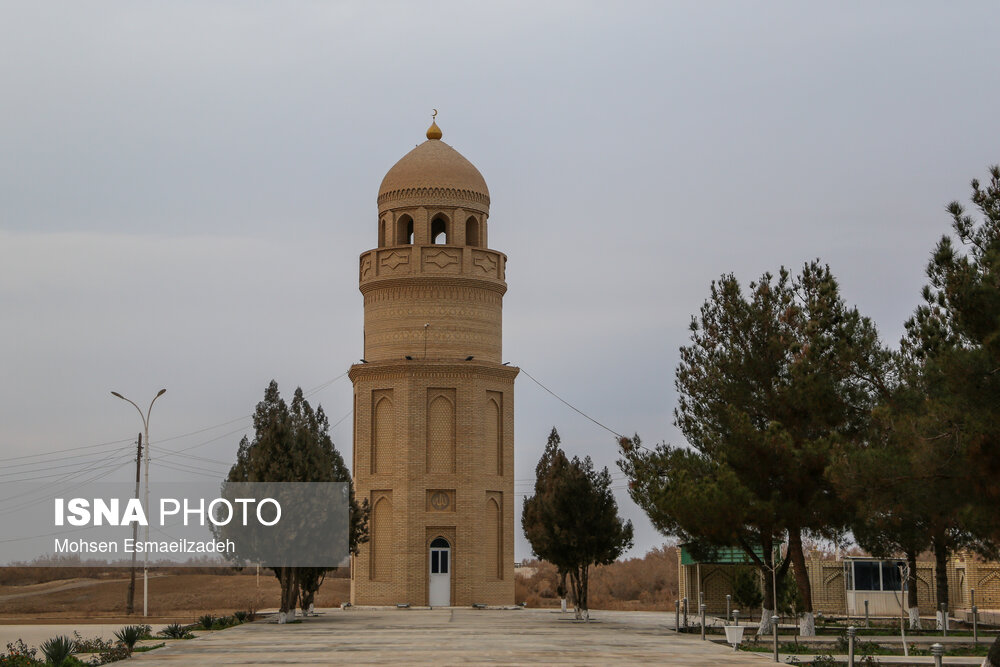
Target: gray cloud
[185, 188]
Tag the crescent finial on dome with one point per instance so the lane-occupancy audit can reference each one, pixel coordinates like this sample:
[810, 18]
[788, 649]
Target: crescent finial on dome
[434, 132]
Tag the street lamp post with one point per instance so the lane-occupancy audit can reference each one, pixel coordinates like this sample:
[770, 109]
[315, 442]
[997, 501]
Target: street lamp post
[145, 503]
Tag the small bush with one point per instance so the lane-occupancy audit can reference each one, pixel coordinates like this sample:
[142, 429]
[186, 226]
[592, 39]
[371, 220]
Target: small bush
[521, 589]
[113, 654]
[176, 631]
[747, 588]
[206, 621]
[241, 616]
[95, 645]
[129, 635]
[58, 649]
[647, 583]
[823, 661]
[19, 655]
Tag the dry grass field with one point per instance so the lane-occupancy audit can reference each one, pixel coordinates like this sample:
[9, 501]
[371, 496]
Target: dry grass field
[87, 595]
[174, 596]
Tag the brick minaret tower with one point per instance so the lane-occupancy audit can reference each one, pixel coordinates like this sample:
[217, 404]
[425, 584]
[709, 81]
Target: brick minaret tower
[433, 404]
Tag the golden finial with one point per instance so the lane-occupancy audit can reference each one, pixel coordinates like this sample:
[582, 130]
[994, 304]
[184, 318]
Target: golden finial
[434, 132]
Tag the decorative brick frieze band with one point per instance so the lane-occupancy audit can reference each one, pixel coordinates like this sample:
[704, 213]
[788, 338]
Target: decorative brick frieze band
[439, 196]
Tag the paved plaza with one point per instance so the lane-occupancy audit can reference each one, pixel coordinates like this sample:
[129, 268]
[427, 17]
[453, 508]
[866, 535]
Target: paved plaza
[456, 636]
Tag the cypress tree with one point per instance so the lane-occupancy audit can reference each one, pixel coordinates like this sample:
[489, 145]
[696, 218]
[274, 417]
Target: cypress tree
[572, 519]
[293, 444]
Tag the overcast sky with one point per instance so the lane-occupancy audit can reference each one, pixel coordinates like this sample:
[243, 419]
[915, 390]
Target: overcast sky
[185, 188]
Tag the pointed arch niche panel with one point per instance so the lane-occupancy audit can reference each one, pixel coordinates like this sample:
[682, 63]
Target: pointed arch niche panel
[381, 546]
[440, 430]
[383, 438]
[493, 539]
[493, 446]
[472, 232]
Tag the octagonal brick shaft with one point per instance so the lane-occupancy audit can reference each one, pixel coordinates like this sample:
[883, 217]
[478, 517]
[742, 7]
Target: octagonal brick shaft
[434, 405]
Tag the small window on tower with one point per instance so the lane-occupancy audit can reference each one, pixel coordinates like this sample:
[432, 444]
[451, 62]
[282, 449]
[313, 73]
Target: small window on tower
[472, 232]
[439, 230]
[404, 230]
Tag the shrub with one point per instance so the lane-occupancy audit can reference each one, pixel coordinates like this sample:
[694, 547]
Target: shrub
[824, 661]
[241, 616]
[746, 588]
[95, 645]
[58, 649]
[176, 631]
[113, 654]
[206, 621]
[522, 589]
[129, 635]
[647, 583]
[19, 655]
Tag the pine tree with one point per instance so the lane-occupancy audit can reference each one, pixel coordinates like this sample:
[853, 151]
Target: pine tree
[702, 501]
[905, 489]
[572, 519]
[955, 333]
[769, 385]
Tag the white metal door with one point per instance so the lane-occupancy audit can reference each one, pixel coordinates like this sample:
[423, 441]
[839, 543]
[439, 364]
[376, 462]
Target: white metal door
[440, 575]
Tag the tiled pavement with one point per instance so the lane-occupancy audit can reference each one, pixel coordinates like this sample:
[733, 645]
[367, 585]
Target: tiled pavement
[453, 636]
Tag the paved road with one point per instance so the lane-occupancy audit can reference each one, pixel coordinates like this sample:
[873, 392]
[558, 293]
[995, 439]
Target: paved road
[453, 636]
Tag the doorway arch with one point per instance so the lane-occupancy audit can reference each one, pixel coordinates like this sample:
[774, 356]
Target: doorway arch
[439, 579]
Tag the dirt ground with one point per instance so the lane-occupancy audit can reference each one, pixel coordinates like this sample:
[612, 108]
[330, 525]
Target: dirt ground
[173, 598]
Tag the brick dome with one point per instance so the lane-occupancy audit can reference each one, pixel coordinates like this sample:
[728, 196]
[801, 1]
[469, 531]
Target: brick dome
[433, 173]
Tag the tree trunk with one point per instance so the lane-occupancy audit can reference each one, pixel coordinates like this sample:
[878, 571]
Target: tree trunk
[767, 578]
[941, 579]
[764, 627]
[561, 589]
[911, 590]
[306, 602]
[807, 622]
[579, 578]
[575, 585]
[289, 593]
